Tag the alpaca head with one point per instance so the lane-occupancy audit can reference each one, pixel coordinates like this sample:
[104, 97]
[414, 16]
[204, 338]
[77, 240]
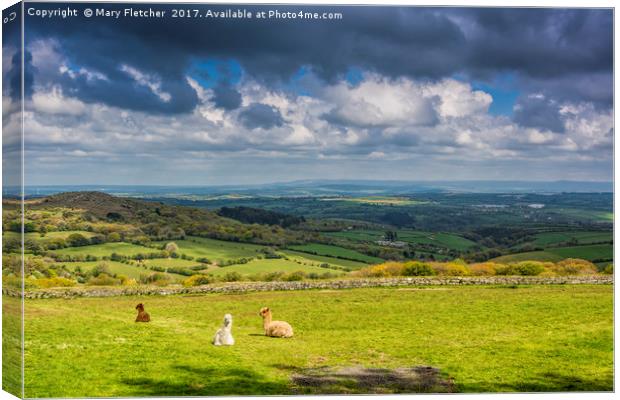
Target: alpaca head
[227, 320]
[264, 312]
[140, 307]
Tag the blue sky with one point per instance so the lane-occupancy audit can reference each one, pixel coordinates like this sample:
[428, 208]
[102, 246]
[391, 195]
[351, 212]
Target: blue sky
[385, 93]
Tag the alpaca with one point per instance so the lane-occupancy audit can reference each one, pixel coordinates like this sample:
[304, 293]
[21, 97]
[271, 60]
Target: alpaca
[143, 316]
[275, 328]
[223, 336]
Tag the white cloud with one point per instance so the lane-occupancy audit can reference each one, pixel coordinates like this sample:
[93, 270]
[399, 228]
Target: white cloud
[54, 102]
[147, 80]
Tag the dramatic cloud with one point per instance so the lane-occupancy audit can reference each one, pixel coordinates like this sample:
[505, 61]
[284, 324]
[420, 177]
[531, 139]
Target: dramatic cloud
[386, 91]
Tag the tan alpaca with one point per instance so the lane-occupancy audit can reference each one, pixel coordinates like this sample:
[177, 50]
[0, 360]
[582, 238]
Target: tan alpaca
[143, 316]
[275, 328]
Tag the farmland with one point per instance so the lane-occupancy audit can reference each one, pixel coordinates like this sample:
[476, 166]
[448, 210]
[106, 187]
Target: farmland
[264, 266]
[214, 249]
[335, 251]
[541, 338]
[594, 253]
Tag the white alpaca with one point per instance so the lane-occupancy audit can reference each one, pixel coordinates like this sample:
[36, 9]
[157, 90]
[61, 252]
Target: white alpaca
[223, 336]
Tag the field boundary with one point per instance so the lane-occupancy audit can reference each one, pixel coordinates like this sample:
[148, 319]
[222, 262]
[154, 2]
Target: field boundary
[243, 287]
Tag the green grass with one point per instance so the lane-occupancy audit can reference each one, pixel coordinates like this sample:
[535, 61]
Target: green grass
[11, 345]
[336, 251]
[540, 338]
[106, 249]
[441, 239]
[172, 263]
[48, 236]
[130, 271]
[580, 213]
[338, 262]
[269, 265]
[215, 249]
[591, 253]
[550, 238]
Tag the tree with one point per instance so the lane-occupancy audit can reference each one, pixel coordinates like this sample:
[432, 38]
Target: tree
[171, 247]
[77, 239]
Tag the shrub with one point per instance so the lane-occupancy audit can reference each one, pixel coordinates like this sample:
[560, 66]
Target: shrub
[529, 268]
[608, 270]
[103, 279]
[171, 247]
[156, 278]
[295, 276]
[101, 268]
[453, 268]
[197, 280]
[386, 269]
[417, 268]
[574, 266]
[485, 269]
[232, 276]
[273, 276]
[53, 282]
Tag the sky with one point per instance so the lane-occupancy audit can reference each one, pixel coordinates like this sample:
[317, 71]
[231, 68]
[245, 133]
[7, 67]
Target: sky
[385, 93]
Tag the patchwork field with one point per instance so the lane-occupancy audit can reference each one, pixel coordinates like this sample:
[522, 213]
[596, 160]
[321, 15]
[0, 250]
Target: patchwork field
[215, 250]
[106, 249]
[272, 265]
[541, 338]
[551, 238]
[447, 240]
[591, 253]
[378, 200]
[130, 271]
[335, 251]
[337, 262]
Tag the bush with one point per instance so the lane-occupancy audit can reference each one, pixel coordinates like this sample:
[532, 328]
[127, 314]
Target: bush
[608, 270]
[197, 280]
[53, 282]
[574, 266]
[232, 276]
[103, 279]
[156, 278]
[384, 270]
[295, 276]
[417, 268]
[101, 268]
[485, 269]
[454, 268]
[529, 268]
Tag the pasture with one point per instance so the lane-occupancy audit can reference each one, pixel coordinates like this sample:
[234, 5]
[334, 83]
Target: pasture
[214, 250]
[378, 200]
[589, 237]
[332, 261]
[106, 249]
[270, 265]
[590, 253]
[336, 252]
[130, 271]
[48, 236]
[441, 239]
[484, 339]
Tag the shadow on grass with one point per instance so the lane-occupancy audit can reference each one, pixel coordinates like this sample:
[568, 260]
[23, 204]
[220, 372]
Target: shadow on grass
[330, 380]
[549, 382]
[192, 381]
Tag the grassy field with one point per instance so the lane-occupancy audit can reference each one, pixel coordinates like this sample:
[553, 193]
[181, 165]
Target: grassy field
[540, 338]
[551, 238]
[171, 263]
[336, 251]
[48, 236]
[338, 262]
[591, 252]
[11, 345]
[447, 240]
[271, 265]
[215, 250]
[130, 271]
[106, 249]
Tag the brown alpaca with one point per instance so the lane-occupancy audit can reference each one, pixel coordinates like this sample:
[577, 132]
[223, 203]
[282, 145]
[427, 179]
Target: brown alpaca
[143, 316]
[275, 328]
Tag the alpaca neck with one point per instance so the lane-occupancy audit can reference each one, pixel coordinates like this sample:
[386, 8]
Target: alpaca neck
[266, 320]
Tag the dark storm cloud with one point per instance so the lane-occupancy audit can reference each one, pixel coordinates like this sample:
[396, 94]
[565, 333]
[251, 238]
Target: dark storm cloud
[538, 112]
[424, 43]
[258, 115]
[14, 77]
[226, 97]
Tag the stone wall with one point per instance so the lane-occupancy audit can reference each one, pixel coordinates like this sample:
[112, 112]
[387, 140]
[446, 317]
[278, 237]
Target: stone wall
[241, 287]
